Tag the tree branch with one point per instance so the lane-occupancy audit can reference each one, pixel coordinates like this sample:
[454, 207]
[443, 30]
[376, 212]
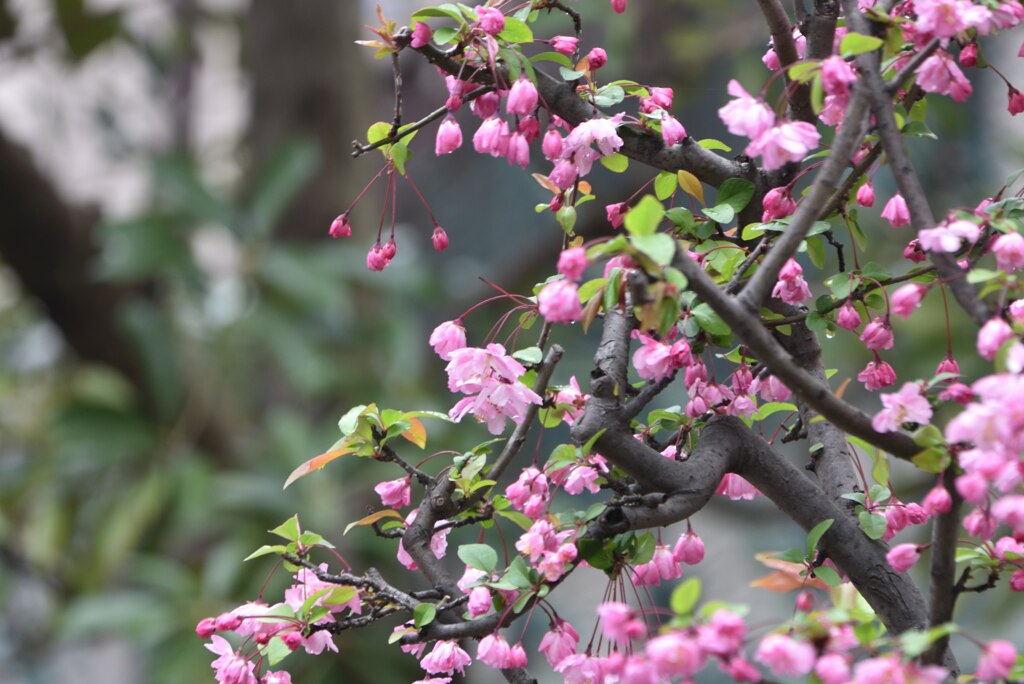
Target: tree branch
[942, 594]
[784, 45]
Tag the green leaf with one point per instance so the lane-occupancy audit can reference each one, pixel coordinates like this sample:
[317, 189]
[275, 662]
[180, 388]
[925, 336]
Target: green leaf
[266, 550]
[569, 74]
[479, 556]
[289, 529]
[617, 163]
[735, 192]
[879, 494]
[645, 546]
[556, 57]
[720, 213]
[644, 218]
[400, 154]
[275, 651]
[873, 524]
[856, 43]
[932, 459]
[609, 96]
[423, 614]
[814, 536]
[445, 35]
[685, 596]
[529, 356]
[816, 250]
[828, 576]
[521, 602]
[611, 292]
[791, 555]
[712, 144]
[708, 320]
[664, 185]
[516, 31]
[591, 288]
[680, 217]
[661, 248]
[566, 217]
[446, 10]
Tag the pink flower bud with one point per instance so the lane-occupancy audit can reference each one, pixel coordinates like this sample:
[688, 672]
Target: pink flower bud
[1017, 580]
[394, 492]
[292, 640]
[948, 365]
[619, 6]
[390, 249]
[662, 97]
[375, 259]
[448, 337]
[969, 55]
[565, 44]
[449, 136]
[485, 106]
[804, 601]
[206, 628]
[340, 227]
[551, 146]
[559, 302]
[518, 153]
[877, 335]
[937, 500]
[616, 214]
[227, 622]
[777, 203]
[906, 299]
[913, 251]
[877, 375]
[479, 601]
[596, 58]
[972, 487]
[522, 98]
[997, 659]
[439, 238]
[489, 19]
[1016, 102]
[672, 131]
[896, 211]
[903, 556]
[848, 317]
[421, 35]
[866, 195]
[529, 127]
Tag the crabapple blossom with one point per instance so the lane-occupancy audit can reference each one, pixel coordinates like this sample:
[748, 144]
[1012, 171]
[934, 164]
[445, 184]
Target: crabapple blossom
[906, 299]
[439, 239]
[559, 301]
[448, 337]
[394, 492]
[903, 556]
[993, 335]
[522, 97]
[340, 227]
[672, 131]
[446, 657]
[1009, 251]
[559, 643]
[572, 262]
[689, 548]
[866, 195]
[941, 74]
[937, 500]
[906, 406]
[777, 203]
[896, 212]
[566, 45]
[230, 668]
[877, 334]
[746, 115]
[791, 288]
[490, 20]
[783, 144]
[997, 659]
[449, 136]
[848, 317]
[785, 656]
[675, 653]
[596, 58]
[421, 35]
[655, 360]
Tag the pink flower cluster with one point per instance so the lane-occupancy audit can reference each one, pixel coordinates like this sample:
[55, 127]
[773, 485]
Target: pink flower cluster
[550, 552]
[791, 288]
[777, 143]
[491, 378]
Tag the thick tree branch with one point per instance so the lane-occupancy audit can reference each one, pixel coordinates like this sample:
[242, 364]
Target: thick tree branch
[785, 47]
[820, 28]
[759, 341]
[942, 593]
[646, 147]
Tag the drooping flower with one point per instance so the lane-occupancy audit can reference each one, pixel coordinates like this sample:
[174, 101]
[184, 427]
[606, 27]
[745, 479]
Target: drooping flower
[896, 211]
[449, 136]
[992, 336]
[522, 97]
[559, 643]
[394, 492]
[877, 334]
[656, 360]
[672, 131]
[446, 657]
[997, 659]
[493, 377]
[903, 556]
[566, 45]
[940, 74]
[619, 6]
[230, 668]
[340, 227]
[421, 35]
[376, 260]
[746, 115]
[937, 500]
[1009, 251]
[618, 622]
[448, 337]
[676, 653]
[689, 548]
[572, 262]
[906, 299]
[783, 144]
[906, 406]
[439, 238]
[791, 288]
[866, 195]
[490, 20]
[785, 656]
[777, 203]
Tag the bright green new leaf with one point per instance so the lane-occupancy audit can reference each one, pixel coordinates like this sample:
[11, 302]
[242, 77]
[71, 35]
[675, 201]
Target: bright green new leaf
[644, 218]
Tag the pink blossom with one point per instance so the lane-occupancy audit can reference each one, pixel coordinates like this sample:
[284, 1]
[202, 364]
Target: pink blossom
[791, 288]
[581, 669]
[1015, 102]
[876, 375]
[566, 45]
[736, 488]
[449, 136]
[394, 492]
[937, 500]
[596, 58]
[389, 249]
[1016, 310]
[723, 635]
[446, 657]
[551, 146]
[978, 524]
[771, 388]
[1009, 251]
[493, 650]
[1009, 510]
[616, 213]
[896, 211]
[689, 548]
[230, 668]
[993, 335]
[421, 35]
[785, 143]
[492, 137]
[785, 656]
[206, 628]
[439, 238]
[940, 74]
[777, 203]
[340, 227]
[619, 6]
[903, 556]
[973, 487]
[947, 235]
[906, 299]
[559, 643]
[948, 365]
[661, 97]
[997, 659]
[572, 262]
[1017, 580]
[486, 105]
[866, 195]
[518, 152]
[598, 131]
[662, 567]
[522, 97]
[618, 622]
[559, 302]
[913, 251]
[969, 55]
[672, 131]
[489, 19]
[746, 115]
[946, 18]
[227, 622]
[448, 337]
[877, 334]
[905, 406]
[494, 377]
[837, 76]
[282, 677]
[655, 360]
[675, 653]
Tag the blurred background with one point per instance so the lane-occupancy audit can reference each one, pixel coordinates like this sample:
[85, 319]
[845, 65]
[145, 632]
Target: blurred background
[177, 332]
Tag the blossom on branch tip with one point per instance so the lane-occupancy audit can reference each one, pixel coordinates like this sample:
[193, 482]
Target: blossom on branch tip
[672, 131]
[340, 227]
[866, 195]
[490, 20]
[448, 337]
[1015, 103]
[877, 334]
[596, 58]
[903, 556]
[421, 35]
[906, 299]
[565, 45]
[439, 238]
[848, 316]
[785, 656]
[788, 142]
[446, 657]
[746, 115]
[522, 97]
